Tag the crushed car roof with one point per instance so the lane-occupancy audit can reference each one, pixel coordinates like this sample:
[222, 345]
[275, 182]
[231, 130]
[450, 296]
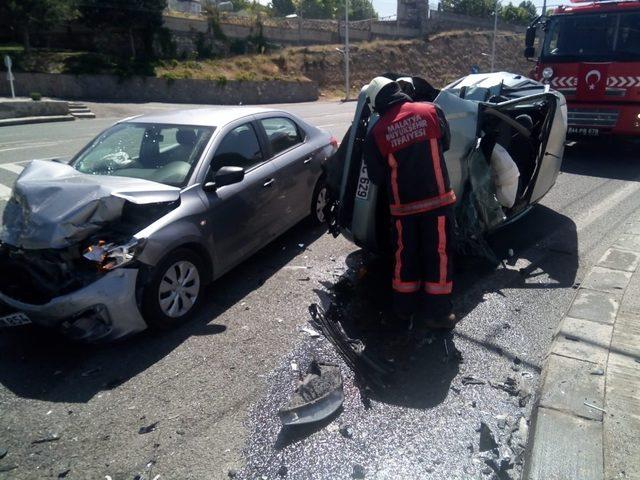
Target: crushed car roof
[208, 117]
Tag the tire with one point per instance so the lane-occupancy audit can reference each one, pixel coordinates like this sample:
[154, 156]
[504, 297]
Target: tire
[318, 202]
[159, 310]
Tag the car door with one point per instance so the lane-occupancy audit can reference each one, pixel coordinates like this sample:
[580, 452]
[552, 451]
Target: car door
[536, 147]
[241, 214]
[295, 164]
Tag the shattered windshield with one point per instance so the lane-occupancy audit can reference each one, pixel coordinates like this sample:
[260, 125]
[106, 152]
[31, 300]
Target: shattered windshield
[161, 153]
[593, 37]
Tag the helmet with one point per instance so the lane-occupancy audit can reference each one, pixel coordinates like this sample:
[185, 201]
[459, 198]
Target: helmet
[374, 88]
[407, 86]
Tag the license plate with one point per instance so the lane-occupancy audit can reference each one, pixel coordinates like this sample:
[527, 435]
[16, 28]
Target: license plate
[14, 320]
[363, 183]
[587, 132]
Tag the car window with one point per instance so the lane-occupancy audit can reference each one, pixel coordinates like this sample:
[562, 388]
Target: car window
[239, 148]
[282, 133]
[161, 153]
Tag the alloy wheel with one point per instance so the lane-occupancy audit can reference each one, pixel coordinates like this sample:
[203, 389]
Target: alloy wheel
[179, 289]
[321, 202]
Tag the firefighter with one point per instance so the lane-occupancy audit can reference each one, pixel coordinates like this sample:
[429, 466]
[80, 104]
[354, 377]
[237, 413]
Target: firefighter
[404, 152]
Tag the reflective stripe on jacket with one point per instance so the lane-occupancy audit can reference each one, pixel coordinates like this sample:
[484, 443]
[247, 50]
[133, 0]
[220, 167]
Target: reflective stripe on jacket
[405, 149]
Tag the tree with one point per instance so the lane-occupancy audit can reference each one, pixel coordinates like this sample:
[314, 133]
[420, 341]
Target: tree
[282, 8]
[474, 8]
[130, 16]
[323, 9]
[26, 16]
[523, 14]
[529, 10]
[358, 10]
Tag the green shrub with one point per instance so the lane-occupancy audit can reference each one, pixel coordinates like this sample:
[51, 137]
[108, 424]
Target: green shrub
[221, 80]
[35, 96]
[245, 76]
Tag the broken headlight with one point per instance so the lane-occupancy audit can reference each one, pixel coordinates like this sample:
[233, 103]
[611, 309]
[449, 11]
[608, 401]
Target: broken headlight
[110, 255]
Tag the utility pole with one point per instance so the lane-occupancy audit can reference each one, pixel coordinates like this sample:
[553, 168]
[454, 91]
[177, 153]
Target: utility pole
[346, 49]
[495, 33]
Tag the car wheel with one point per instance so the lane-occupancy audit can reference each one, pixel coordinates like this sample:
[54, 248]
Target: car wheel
[318, 202]
[174, 291]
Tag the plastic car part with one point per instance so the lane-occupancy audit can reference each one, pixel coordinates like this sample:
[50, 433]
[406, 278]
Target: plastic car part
[318, 395]
[489, 208]
[373, 372]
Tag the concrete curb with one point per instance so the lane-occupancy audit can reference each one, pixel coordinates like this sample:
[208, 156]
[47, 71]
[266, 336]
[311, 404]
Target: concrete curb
[567, 434]
[6, 122]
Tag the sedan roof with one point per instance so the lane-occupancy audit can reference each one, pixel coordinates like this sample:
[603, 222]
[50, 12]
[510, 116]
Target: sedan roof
[209, 117]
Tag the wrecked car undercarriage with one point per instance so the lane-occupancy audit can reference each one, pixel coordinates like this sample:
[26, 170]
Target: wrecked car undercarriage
[507, 142]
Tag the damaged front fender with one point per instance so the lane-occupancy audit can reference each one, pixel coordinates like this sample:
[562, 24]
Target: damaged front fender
[53, 206]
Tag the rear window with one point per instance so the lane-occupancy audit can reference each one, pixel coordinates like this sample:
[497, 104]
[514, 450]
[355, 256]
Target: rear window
[282, 134]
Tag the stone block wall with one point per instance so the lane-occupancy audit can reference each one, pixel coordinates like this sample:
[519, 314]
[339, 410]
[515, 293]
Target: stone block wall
[151, 89]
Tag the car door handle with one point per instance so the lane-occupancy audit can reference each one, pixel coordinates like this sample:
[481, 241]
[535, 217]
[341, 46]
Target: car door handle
[269, 182]
[308, 160]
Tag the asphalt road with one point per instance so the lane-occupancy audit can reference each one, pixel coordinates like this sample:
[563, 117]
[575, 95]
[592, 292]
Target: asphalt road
[212, 387]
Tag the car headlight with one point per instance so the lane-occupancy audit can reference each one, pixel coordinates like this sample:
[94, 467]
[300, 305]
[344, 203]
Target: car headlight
[110, 255]
[547, 73]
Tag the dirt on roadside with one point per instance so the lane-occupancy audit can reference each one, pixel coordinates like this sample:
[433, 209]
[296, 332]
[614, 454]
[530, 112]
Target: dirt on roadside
[441, 59]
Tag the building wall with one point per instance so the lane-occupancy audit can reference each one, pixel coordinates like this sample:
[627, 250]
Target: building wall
[185, 6]
[418, 22]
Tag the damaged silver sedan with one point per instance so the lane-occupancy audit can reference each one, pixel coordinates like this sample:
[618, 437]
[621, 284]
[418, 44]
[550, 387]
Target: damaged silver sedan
[508, 135]
[127, 234]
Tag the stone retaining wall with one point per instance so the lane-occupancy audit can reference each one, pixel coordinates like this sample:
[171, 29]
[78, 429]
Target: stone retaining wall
[29, 108]
[151, 89]
[301, 31]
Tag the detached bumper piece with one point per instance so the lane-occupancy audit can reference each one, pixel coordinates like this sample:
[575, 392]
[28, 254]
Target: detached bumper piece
[317, 397]
[374, 373]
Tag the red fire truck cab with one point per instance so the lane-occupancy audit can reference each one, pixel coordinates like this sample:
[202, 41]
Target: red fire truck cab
[591, 53]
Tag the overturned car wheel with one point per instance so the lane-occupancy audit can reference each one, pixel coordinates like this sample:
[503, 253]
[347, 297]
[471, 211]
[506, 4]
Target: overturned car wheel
[174, 291]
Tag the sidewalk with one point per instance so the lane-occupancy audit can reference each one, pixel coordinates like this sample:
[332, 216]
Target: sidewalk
[586, 423]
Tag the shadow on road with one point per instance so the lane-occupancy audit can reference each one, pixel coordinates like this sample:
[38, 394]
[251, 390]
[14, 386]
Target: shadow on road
[604, 159]
[40, 364]
[545, 255]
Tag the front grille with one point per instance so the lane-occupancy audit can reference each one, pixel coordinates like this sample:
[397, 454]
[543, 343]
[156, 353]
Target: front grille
[593, 117]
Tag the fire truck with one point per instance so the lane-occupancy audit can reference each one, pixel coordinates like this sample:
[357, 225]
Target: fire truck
[591, 53]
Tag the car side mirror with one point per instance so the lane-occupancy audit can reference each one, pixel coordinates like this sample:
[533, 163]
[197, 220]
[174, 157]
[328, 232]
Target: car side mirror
[530, 39]
[529, 52]
[225, 176]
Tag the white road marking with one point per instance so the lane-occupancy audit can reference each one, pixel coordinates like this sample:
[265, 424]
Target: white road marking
[33, 145]
[12, 167]
[5, 192]
[588, 217]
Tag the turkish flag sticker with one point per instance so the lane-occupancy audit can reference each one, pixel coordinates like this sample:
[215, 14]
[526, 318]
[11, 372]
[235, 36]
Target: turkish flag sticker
[592, 80]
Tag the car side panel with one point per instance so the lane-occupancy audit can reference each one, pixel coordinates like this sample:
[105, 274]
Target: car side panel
[554, 152]
[241, 215]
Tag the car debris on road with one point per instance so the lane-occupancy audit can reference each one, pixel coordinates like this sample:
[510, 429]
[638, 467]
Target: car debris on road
[318, 395]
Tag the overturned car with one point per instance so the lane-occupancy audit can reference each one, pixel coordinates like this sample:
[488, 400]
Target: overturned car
[508, 135]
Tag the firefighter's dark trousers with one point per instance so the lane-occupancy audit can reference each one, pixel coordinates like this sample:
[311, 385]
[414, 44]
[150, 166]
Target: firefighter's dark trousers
[422, 272]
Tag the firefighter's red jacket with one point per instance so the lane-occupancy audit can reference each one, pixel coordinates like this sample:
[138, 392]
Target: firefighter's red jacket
[404, 150]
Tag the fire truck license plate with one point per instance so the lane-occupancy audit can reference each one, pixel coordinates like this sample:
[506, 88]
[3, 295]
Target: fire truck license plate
[588, 132]
[14, 320]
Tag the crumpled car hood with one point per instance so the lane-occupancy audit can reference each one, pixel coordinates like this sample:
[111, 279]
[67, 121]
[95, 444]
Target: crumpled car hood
[55, 206]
